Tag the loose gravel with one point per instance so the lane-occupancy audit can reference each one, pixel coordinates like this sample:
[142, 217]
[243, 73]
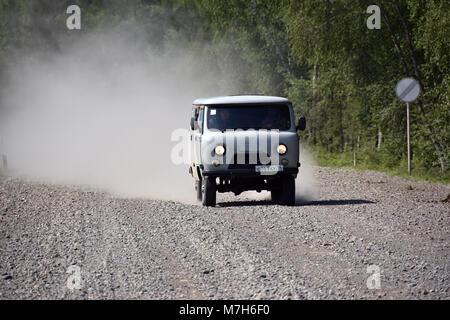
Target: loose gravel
[241, 249]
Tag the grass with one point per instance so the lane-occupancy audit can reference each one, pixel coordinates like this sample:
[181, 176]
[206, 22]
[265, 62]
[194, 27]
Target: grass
[372, 162]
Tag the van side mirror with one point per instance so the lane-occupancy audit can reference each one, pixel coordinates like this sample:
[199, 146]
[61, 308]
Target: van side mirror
[301, 124]
[194, 124]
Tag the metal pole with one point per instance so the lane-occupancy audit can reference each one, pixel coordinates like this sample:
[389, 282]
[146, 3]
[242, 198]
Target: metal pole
[407, 138]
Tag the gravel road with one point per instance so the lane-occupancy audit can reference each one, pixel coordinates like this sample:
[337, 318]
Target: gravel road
[241, 249]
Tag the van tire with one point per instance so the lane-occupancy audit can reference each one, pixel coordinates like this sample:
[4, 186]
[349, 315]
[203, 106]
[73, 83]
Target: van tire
[208, 191]
[275, 195]
[288, 190]
[198, 189]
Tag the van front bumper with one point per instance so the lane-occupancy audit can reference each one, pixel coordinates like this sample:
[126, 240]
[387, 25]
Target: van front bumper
[211, 171]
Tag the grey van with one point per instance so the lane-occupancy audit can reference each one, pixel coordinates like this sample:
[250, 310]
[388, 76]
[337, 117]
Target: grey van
[244, 142]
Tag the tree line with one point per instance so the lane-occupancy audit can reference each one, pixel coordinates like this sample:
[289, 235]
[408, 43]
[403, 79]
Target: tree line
[338, 73]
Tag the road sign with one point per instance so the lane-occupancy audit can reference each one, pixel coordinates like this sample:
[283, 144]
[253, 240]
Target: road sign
[407, 90]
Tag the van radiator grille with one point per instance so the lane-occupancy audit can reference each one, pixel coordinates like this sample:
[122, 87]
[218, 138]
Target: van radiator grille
[247, 164]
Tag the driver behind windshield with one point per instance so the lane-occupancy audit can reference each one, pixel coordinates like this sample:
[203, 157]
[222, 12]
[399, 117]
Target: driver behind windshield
[252, 117]
[271, 120]
[219, 119]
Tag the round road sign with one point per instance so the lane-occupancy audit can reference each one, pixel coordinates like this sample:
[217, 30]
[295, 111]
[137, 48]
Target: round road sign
[408, 89]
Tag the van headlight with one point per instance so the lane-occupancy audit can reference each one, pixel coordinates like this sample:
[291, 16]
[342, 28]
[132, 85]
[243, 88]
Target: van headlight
[219, 150]
[282, 149]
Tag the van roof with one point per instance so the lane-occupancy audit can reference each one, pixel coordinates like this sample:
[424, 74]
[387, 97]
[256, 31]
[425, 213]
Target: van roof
[239, 99]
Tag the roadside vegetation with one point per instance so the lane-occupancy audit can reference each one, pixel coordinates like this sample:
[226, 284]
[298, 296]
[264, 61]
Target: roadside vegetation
[373, 162]
[339, 74]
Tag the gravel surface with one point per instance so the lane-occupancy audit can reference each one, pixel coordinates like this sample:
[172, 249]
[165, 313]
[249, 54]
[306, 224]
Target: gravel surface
[241, 249]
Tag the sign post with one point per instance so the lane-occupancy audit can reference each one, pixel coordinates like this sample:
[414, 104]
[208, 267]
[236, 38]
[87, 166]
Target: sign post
[407, 90]
[407, 138]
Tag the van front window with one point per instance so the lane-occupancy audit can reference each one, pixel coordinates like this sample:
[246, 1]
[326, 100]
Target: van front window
[249, 117]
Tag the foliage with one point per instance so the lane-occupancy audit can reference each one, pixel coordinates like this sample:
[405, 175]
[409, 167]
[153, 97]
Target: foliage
[320, 54]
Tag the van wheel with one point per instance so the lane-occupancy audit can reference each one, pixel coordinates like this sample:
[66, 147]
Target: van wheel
[198, 189]
[275, 195]
[208, 192]
[288, 191]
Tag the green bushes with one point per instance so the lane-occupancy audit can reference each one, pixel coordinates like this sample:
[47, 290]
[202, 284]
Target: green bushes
[367, 159]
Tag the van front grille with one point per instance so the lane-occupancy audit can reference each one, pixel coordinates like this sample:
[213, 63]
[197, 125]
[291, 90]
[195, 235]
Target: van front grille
[246, 164]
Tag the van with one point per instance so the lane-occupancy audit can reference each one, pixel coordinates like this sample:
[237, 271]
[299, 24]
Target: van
[244, 142]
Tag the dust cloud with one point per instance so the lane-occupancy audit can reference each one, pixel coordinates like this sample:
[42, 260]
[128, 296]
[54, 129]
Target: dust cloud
[101, 113]
[306, 185]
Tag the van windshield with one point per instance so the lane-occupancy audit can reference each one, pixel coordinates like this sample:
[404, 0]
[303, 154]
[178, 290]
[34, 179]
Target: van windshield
[249, 117]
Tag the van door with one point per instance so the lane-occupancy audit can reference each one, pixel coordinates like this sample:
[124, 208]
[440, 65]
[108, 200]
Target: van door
[196, 136]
